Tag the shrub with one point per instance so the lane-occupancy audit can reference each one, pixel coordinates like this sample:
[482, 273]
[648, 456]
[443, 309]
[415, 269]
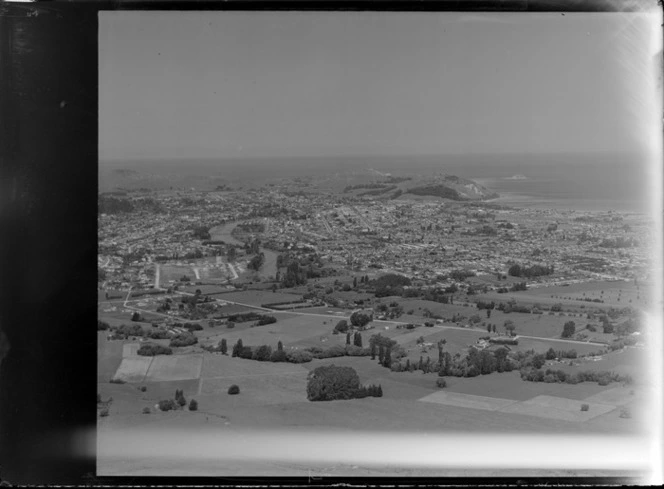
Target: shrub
[299, 356]
[167, 405]
[585, 407]
[103, 413]
[234, 389]
[193, 405]
[182, 402]
[146, 410]
[102, 325]
[143, 388]
[440, 382]
[327, 383]
[230, 325]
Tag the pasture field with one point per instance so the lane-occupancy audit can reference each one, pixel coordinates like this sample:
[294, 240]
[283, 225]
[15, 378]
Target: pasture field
[174, 367]
[468, 401]
[109, 357]
[613, 293]
[172, 272]
[133, 369]
[206, 289]
[291, 329]
[558, 408]
[258, 390]
[629, 361]
[258, 297]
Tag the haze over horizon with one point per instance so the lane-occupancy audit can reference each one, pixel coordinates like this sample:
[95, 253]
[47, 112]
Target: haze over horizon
[254, 85]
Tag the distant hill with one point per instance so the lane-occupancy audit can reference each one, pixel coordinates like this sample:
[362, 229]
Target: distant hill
[449, 187]
[404, 187]
[361, 182]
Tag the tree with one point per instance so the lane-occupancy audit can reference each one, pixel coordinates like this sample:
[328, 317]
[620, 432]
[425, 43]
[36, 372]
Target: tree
[387, 360]
[488, 327]
[348, 338]
[488, 313]
[181, 400]
[342, 326]
[136, 317]
[373, 351]
[493, 328]
[223, 346]
[357, 340]
[381, 354]
[234, 389]
[568, 329]
[237, 348]
[359, 319]
[509, 326]
[193, 405]
[263, 353]
[330, 382]
[280, 346]
[420, 365]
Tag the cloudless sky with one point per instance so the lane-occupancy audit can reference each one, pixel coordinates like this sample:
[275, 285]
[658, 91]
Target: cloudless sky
[260, 84]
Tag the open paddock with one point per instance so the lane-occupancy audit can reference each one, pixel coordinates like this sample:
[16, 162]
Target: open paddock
[328, 311]
[468, 401]
[259, 297]
[558, 408]
[206, 289]
[619, 396]
[291, 329]
[133, 369]
[173, 273]
[257, 390]
[629, 361]
[174, 367]
[543, 345]
[157, 391]
[109, 357]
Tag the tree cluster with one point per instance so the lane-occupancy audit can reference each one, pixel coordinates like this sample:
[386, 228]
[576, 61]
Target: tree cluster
[184, 339]
[559, 376]
[151, 350]
[330, 382]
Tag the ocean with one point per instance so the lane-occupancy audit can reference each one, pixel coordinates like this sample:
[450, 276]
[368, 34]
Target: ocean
[582, 182]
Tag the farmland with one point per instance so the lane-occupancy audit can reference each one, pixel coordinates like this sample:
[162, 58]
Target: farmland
[445, 281]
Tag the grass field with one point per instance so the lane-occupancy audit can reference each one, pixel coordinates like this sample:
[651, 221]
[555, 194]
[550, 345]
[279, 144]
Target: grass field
[174, 367]
[291, 329]
[558, 408]
[259, 297]
[133, 369]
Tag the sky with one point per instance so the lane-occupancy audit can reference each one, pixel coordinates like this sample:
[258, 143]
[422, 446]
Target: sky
[292, 84]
